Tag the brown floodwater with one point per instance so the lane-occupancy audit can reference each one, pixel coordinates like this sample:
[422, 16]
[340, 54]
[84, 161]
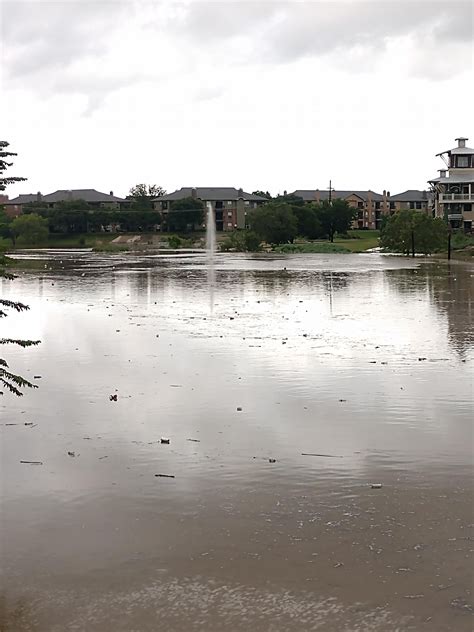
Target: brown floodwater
[286, 393]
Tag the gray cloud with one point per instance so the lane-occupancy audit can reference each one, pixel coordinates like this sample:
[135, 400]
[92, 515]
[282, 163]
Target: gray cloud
[42, 36]
[51, 45]
[286, 31]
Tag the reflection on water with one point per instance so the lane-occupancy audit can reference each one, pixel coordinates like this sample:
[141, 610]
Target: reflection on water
[366, 360]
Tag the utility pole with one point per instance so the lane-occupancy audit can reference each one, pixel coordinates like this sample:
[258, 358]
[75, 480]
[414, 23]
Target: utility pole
[330, 192]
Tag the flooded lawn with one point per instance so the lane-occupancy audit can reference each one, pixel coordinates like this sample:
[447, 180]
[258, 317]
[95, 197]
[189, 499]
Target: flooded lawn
[319, 469]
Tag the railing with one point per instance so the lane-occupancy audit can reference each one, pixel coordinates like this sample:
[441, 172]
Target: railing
[456, 197]
[454, 216]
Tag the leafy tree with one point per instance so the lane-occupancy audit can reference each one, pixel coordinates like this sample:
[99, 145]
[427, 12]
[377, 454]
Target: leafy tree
[6, 227]
[141, 196]
[274, 222]
[185, 214]
[138, 220]
[4, 153]
[309, 224]
[335, 217]
[66, 217]
[241, 241]
[412, 231]
[30, 229]
[264, 194]
[8, 380]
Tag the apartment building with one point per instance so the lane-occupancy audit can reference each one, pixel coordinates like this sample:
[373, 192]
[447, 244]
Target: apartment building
[453, 189]
[370, 206]
[412, 200]
[95, 199]
[230, 205]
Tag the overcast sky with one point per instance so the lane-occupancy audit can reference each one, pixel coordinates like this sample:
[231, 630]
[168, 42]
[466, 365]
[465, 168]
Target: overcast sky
[259, 95]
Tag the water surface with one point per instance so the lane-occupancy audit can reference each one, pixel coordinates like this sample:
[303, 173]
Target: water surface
[362, 360]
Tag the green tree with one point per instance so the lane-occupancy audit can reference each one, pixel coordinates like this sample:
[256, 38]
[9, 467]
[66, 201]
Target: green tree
[309, 224]
[66, 217]
[4, 164]
[138, 220]
[274, 222]
[185, 214]
[30, 229]
[6, 227]
[411, 232]
[141, 196]
[8, 380]
[335, 217]
[264, 194]
[241, 241]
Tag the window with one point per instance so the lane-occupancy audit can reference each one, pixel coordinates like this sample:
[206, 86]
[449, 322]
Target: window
[229, 202]
[418, 205]
[463, 161]
[360, 205]
[247, 203]
[377, 205]
[392, 206]
[229, 224]
[229, 213]
[412, 205]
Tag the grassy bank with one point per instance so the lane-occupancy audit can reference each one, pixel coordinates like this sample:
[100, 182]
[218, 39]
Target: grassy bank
[359, 240]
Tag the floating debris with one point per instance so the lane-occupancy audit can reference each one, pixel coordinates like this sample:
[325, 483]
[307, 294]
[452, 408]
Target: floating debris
[376, 485]
[33, 462]
[113, 398]
[239, 408]
[164, 440]
[165, 475]
[71, 453]
[195, 440]
[272, 460]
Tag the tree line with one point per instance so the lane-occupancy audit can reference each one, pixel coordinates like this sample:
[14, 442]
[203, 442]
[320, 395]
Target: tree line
[74, 217]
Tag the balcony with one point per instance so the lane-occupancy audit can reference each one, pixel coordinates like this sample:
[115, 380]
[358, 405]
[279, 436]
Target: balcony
[456, 197]
[454, 216]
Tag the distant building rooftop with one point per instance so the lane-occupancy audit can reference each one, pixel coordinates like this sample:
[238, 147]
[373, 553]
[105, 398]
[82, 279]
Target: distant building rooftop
[412, 195]
[23, 199]
[62, 195]
[211, 194]
[310, 195]
[89, 195]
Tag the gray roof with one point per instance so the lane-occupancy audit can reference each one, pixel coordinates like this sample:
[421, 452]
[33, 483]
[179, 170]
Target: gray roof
[310, 195]
[412, 195]
[211, 193]
[465, 178]
[23, 199]
[89, 195]
[461, 150]
[458, 150]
